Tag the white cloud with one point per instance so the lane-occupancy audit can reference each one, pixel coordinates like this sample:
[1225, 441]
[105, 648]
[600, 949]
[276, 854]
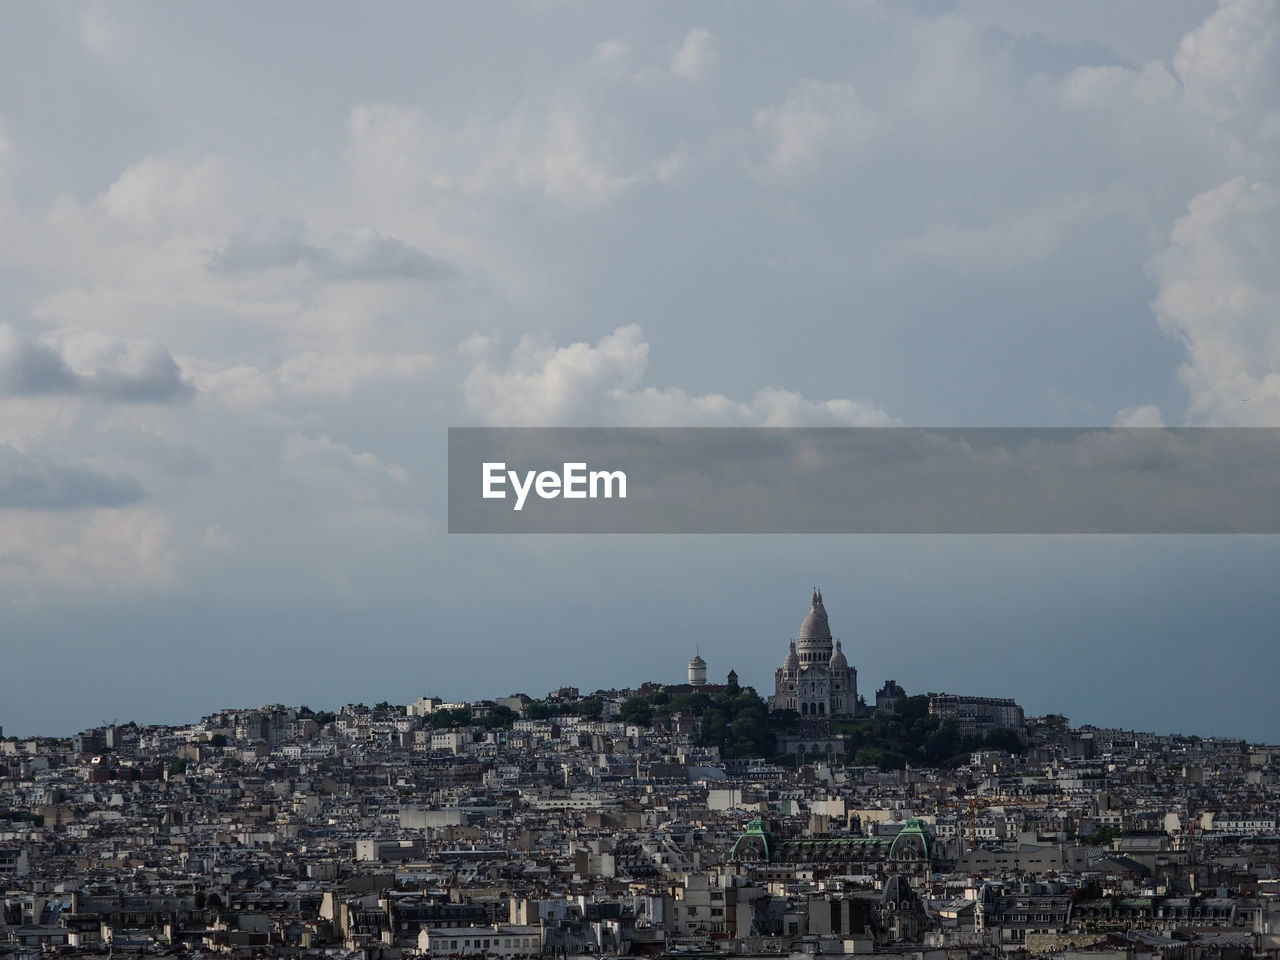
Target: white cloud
[1213, 105]
[817, 118]
[583, 384]
[610, 55]
[477, 345]
[1230, 65]
[113, 548]
[330, 466]
[1218, 292]
[165, 190]
[103, 37]
[553, 150]
[547, 385]
[695, 56]
[1147, 415]
[307, 374]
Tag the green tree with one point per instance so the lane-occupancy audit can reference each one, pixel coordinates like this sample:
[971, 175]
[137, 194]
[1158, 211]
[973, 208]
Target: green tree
[638, 711]
[1002, 738]
[913, 708]
[218, 740]
[500, 716]
[451, 718]
[877, 757]
[750, 736]
[715, 728]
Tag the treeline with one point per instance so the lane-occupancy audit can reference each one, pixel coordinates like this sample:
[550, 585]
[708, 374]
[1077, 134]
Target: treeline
[912, 736]
[591, 708]
[736, 720]
[738, 723]
[498, 718]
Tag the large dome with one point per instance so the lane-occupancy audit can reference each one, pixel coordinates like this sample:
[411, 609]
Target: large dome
[815, 626]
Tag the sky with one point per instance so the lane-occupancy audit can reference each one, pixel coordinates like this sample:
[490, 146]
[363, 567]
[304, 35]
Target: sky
[256, 259]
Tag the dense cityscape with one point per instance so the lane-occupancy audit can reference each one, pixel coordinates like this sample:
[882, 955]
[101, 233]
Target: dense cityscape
[692, 818]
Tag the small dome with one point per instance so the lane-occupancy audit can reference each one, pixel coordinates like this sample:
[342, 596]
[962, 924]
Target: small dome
[815, 626]
[697, 661]
[792, 663]
[837, 661]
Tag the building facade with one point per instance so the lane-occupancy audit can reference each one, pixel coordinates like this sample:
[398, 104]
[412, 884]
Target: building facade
[815, 679]
[978, 716]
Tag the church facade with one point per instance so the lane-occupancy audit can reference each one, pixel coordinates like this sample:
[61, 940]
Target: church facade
[815, 679]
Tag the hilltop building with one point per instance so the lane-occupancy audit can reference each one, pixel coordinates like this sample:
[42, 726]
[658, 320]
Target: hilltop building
[815, 679]
[978, 716]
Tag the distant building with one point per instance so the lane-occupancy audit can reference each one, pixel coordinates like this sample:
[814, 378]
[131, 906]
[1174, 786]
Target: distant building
[815, 679]
[697, 671]
[887, 697]
[423, 706]
[14, 863]
[978, 716]
[503, 940]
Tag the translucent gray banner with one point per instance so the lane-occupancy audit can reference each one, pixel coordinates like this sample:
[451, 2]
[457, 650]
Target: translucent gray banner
[874, 480]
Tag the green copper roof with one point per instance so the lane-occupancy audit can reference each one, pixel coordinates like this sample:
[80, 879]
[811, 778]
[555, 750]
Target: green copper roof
[913, 829]
[756, 835]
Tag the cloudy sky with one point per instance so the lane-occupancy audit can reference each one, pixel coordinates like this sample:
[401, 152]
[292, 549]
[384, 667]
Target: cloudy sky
[254, 260]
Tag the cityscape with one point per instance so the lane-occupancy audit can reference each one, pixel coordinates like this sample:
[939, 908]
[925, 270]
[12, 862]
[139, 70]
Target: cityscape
[691, 818]
[588, 481]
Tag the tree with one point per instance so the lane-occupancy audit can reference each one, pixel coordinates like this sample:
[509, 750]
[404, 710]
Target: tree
[539, 710]
[750, 736]
[877, 757]
[715, 728]
[1002, 738]
[218, 740]
[451, 718]
[500, 716]
[638, 711]
[913, 708]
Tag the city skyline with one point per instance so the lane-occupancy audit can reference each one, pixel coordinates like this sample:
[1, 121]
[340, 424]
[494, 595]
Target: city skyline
[718, 663]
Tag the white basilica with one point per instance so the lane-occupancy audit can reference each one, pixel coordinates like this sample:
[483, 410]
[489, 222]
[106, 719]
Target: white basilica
[815, 679]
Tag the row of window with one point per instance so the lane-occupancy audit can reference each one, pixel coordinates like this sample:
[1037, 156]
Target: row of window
[485, 943]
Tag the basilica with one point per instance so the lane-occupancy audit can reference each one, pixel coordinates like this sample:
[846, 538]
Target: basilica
[815, 679]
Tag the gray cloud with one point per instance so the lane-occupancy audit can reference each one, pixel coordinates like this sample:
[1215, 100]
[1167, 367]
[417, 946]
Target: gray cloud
[31, 483]
[362, 254]
[92, 364]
